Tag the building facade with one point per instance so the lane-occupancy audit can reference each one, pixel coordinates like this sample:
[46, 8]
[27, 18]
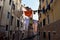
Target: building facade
[50, 12]
[50, 31]
[10, 15]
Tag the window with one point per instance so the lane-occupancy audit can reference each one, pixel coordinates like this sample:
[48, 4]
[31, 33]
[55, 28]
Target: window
[35, 16]
[43, 10]
[11, 19]
[48, 18]
[6, 27]
[10, 2]
[43, 22]
[0, 7]
[17, 23]
[49, 35]
[8, 14]
[44, 34]
[10, 32]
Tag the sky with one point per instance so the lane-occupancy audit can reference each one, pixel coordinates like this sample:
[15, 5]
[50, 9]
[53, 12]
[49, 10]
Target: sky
[33, 4]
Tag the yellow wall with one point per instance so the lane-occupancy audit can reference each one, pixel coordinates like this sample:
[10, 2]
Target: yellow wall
[56, 11]
[43, 4]
[53, 15]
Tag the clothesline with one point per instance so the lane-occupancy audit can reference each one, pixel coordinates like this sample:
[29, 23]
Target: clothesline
[33, 10]
[40, 11]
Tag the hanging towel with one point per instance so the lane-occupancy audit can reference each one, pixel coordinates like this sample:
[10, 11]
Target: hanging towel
[28, 13]
[35, 16]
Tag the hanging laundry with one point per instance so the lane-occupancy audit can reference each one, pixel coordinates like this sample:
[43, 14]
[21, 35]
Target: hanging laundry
[28, 13]
[13, 5]
[44, 22]
[51, 1]
[35, 16]
[48, 7]
[39, 11]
